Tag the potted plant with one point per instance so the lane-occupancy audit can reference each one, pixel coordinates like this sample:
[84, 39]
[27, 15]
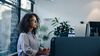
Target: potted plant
[61, 30]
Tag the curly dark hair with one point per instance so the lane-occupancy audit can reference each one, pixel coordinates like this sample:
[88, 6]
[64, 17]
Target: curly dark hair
[25, 23]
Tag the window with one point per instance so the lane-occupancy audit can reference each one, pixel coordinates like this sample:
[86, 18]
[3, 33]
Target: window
[12, 1]
[22, 14]
[26, 4]
[9, 19]
[5, 26]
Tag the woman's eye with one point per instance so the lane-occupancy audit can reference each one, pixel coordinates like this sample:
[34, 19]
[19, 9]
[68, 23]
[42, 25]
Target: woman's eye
[34, 21]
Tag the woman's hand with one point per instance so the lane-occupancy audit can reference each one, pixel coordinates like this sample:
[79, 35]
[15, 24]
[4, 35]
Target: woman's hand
[44, 51]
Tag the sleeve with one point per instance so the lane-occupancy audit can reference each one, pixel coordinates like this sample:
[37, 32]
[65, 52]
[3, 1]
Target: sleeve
[25, 46]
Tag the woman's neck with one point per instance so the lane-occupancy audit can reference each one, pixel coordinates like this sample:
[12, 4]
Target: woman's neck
[30, 30]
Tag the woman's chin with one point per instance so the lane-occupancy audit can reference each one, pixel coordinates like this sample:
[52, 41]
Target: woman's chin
[34, 27]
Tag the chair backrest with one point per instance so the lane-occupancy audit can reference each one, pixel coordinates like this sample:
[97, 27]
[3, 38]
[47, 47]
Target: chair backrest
[75, 46]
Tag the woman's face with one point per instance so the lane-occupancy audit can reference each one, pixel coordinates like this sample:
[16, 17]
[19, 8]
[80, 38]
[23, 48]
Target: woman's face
[33, 22]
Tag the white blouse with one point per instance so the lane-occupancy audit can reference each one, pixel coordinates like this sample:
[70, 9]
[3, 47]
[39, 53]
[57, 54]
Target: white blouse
[28, 44]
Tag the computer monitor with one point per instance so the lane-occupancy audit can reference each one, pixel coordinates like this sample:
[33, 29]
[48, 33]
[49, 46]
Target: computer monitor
[75, 46]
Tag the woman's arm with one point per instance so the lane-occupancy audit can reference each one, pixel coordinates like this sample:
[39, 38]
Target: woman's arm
[26, 47]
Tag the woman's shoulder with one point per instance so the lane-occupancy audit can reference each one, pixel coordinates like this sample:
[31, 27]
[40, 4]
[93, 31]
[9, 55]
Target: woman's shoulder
[23, 34]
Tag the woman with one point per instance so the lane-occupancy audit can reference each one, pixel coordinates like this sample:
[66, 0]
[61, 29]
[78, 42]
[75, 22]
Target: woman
[28, 45]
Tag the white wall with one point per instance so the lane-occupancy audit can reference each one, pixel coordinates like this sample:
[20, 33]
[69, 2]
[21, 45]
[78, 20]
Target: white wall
[73, 11]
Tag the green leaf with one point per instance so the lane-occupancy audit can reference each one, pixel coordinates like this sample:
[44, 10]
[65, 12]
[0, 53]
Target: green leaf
[53, 23]
[53, 20]
[56, 20]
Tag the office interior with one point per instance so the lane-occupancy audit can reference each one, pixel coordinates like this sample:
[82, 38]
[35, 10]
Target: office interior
[83, 16]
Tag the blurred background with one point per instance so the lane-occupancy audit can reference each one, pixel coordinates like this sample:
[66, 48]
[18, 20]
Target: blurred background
[82, 16]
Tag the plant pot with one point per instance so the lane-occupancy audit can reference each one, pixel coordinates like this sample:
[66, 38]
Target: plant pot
[64, 34]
